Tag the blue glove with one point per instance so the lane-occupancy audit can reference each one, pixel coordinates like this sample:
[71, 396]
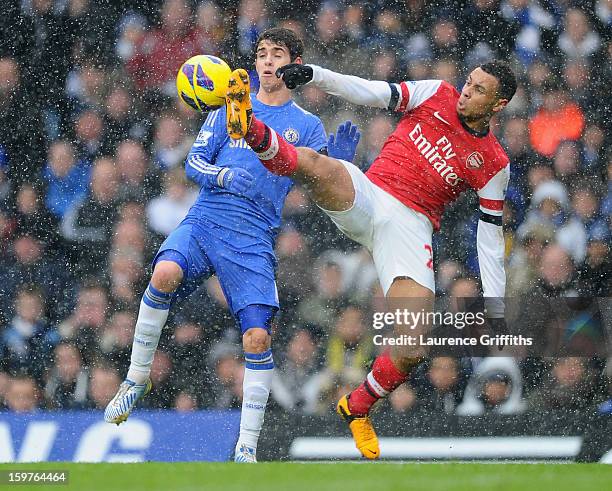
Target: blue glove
[344, 144]
[235, 180]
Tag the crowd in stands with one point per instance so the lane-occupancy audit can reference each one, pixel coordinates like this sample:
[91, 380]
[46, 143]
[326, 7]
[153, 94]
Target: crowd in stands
[92, 145]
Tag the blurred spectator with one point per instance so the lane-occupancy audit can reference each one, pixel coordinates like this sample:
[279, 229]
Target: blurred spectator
[480, 41]
[556, 273]
[28, 340]
[578, 39]
[127, 274]
[402, 399]
[22, 395]
[158, 54]
[378, 130]
[532, 22]
[550, 207]
[593, 147]
[164, 384]
[65, 177]
[251, 22]
[85, 86]
[33, 217]
[26, 264]
[116, 342]
[522, 269]
[84, 326]
[321, 307]
[349, 344]
[102, 385]
[440, 388]
[87, 224]
[21, 130]
[137, 181]
[170, 147]
[558, 119]
[495, 386]
[185, 402]
[296, 382]
[566, 162]
[67, 381]
[89, 135]
[120, 120]
[568, 385]
[223, 361]
[294, 276]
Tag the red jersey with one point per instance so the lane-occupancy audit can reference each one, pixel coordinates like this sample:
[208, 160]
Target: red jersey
[431, 157]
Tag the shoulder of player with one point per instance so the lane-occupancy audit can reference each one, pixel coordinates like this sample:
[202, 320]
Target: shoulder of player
[302, 111]
[214, 117]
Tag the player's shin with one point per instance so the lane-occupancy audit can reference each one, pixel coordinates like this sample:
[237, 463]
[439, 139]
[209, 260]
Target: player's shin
[277, 155]
[152, 316]
[258, 372]
[383, 379]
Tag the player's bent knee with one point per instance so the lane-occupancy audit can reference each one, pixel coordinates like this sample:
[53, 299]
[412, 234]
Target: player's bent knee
[255, 340]
[167, 276]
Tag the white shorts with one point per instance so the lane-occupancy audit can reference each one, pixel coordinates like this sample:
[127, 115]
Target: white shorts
[398, 237]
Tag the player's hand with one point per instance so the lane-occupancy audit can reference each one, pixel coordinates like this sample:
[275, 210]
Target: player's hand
[343, 144]
[295, 74]
[236, 180]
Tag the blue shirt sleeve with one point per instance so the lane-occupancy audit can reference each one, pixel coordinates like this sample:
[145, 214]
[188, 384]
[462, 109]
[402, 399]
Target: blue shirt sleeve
[199, 165]
[317, 139]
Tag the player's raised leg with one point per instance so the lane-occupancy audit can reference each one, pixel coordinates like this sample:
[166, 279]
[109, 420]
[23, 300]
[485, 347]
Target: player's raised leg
[326, 179]
[258, 373]
[152, 316]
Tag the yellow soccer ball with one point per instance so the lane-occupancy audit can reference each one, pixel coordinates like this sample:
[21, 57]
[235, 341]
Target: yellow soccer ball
[202, 81]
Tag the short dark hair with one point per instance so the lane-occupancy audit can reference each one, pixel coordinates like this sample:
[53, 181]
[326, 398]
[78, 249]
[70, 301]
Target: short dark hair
[505, 76]
[282, 37]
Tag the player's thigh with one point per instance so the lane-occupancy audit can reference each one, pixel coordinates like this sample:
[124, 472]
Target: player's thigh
[357, 221]
[184, 248]
[326, 179]
[401, 243]
[247, 277]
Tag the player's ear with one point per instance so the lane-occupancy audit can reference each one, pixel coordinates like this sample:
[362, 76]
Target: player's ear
[298, 60]
[499, 105]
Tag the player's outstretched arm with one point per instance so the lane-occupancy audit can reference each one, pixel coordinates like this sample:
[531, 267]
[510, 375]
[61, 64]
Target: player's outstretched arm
[374, 93]
[209, 176]
[490, 242]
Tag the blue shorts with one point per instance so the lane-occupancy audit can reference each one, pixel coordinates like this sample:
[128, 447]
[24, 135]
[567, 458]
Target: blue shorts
[244, 266]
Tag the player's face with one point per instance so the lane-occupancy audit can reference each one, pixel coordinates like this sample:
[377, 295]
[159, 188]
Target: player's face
[479, 98]
[269, 57]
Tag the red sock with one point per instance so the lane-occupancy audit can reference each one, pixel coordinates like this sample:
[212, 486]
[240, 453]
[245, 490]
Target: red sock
[383, 379]
[278, 156]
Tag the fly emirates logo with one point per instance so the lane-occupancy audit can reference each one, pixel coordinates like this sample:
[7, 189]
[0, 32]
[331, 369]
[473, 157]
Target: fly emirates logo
[437, 155]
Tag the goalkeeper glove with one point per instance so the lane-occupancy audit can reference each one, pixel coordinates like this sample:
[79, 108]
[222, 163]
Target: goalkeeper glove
[295, 74]
[344, 144]
[236, 180]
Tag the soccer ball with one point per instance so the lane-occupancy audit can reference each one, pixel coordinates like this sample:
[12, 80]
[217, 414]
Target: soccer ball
[202, 81]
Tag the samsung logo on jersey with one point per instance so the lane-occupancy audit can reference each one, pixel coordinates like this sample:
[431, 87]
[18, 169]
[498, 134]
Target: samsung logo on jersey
[239, 144]
[437, 155]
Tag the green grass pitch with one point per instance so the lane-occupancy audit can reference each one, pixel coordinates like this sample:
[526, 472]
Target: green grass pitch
[322, 477]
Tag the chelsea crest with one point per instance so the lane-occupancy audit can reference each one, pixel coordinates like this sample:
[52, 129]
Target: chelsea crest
[291, 135]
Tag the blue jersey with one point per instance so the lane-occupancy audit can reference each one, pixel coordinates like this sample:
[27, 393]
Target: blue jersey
[232, 235]
[259, 211]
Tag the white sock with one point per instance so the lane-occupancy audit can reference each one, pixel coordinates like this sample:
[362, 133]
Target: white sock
[152, 317]
[258, 373]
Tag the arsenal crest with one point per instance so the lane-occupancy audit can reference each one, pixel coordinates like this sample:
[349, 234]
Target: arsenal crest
[474, 161]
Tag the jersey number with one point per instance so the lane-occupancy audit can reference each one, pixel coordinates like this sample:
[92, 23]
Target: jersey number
[429, 262]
